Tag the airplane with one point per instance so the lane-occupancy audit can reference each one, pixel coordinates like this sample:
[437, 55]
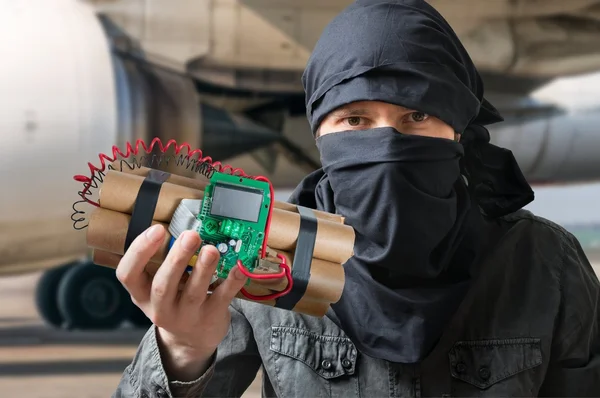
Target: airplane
[224, 75]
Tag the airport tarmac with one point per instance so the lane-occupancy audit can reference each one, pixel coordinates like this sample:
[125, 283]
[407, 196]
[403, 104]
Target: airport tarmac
[37, 361]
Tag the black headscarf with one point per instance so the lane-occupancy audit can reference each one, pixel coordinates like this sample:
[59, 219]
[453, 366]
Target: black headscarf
[403, 52]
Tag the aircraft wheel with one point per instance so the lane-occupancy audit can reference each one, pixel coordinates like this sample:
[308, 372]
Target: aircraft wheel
[91, 297]
[46, 295]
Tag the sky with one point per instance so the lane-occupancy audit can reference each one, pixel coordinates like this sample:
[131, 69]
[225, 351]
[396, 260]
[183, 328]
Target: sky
[577, 204]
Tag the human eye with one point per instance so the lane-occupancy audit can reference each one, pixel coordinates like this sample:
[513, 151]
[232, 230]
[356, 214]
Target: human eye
[417, 117]
[355, 121]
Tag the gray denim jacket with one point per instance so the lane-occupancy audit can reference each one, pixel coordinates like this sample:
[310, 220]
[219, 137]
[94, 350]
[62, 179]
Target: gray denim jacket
[528, 327]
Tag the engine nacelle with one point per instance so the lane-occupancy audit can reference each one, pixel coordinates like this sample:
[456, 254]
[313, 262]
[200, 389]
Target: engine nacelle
[555, 149]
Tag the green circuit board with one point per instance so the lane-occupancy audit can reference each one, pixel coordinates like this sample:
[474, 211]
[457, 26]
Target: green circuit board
[233, 218]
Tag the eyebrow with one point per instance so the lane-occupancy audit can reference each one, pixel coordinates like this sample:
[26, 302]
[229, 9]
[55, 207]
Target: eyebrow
[351, 111]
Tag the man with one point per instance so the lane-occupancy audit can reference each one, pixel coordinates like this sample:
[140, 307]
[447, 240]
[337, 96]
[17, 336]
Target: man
[453, 290]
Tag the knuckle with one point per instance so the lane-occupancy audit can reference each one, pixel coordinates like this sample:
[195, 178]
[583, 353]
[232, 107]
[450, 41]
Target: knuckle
[192, 297]
[159, 289]
[123, 276]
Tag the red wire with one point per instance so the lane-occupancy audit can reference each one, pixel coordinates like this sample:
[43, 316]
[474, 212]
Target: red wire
[288, 275]
[134, 150]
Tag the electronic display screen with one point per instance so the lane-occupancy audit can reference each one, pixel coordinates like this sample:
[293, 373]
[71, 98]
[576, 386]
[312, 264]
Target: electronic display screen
[241, 203]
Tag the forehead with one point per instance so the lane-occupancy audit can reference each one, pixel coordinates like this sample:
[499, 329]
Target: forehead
[369, 107]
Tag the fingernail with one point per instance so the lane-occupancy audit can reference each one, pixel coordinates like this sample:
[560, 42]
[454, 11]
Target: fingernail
[154, 233]
[189, 241]
[208, 256]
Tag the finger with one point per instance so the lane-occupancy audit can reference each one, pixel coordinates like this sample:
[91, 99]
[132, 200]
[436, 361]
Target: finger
[131, 269]
[196, 288]
[165, 285]
[226, 291]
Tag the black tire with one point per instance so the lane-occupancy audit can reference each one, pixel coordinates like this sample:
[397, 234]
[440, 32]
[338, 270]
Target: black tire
[91, 297]
[46, 295]
[139, 319]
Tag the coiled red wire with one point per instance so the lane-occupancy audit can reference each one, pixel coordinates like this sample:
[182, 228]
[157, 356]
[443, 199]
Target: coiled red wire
[134, 150]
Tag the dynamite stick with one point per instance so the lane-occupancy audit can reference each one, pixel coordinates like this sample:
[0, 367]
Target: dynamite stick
[201, 183]
[307, 305]
[107, 232]
[334, 241]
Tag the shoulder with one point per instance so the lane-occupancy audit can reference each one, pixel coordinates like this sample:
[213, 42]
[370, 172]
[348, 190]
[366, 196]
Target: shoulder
[535, 222]
[559, 248]
[543, 233]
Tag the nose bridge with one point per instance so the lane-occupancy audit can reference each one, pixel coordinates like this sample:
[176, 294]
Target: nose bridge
[391, 118]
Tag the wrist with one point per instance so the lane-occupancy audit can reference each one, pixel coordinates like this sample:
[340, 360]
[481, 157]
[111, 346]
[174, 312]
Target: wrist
[182, 361]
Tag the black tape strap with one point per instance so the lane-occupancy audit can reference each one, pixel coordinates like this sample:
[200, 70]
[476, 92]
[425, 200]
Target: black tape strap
[145, 205]
[303, 256]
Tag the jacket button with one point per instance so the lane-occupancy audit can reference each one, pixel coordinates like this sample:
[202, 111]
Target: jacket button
[461, 367]
[346, 364]
[326, 364]
[484, 372]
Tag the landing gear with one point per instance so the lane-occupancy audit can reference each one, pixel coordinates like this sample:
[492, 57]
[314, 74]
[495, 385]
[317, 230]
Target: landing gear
[45, 295]
[83, 295]
[91, 297]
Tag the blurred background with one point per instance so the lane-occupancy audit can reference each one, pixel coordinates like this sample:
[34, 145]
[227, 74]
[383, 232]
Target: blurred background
[78, 77]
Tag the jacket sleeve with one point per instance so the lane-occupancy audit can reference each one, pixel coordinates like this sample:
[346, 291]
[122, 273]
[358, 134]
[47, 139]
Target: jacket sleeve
[574, 369]
[231, 371]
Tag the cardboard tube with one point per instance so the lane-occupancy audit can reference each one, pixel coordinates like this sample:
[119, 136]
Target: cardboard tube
[307, 305]
[107, 231]
[335, 241]
[105, 259]
[111, 260]
[202, 182]
[119, 192]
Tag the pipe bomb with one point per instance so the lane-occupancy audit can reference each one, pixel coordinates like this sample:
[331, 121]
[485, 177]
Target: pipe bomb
[334, 243]
[108, 226]
[107, 231]
[307, 305]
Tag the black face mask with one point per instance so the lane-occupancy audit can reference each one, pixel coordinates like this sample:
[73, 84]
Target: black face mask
[403, 195]
[415, 236]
